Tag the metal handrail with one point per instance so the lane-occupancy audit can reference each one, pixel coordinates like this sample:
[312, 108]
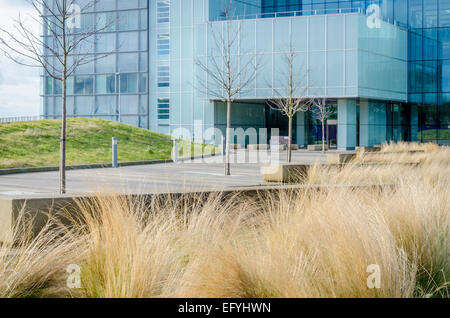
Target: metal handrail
[290, 14]
[305, 13]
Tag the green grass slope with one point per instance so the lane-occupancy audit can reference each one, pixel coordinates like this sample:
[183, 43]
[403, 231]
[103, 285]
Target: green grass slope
[35, 144]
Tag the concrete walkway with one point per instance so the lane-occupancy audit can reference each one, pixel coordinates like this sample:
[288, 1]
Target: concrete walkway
[163, 177]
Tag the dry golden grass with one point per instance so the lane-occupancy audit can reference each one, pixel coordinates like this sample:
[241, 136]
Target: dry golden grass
[302, 243]
[35, 265]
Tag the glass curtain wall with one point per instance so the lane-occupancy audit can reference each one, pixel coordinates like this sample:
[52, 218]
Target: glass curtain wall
[113, 87]
[428, 22]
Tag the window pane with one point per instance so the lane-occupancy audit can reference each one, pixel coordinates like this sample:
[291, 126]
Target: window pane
[105, 84]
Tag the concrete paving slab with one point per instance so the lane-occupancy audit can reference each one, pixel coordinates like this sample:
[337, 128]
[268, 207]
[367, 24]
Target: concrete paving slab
[149, 178]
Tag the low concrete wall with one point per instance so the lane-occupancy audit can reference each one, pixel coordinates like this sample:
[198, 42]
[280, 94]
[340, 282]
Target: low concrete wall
[41, 206]
[297, 173]
[97, 165]
[82, 167]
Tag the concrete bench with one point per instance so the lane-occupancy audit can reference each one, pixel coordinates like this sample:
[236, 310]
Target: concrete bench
[338, 158]
[294, 147]
[317, 147]
[285, 172]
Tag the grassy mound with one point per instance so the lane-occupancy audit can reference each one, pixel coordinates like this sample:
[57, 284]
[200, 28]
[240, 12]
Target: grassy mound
[34, 144]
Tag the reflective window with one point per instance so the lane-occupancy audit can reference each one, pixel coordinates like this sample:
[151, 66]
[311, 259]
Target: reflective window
[163, 11]
[444, 13]
[105, 84]
[128, 83]
[48, 86]
[163, 108]
[163, 76]
[106, 42]
[106, 64]
[128, 62]
[143, 83]
[129, 41]
[84, 85]
[163, 44]
[106, 21]
[128, 20]
[444, 43]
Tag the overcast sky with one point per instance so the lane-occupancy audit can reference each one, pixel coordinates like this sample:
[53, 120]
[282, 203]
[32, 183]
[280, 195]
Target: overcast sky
[19, 85]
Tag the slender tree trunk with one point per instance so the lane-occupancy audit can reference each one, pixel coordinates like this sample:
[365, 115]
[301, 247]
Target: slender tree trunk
[62, 161]
[289, 150]
[323, 135]
[228, 141]
[62, 152]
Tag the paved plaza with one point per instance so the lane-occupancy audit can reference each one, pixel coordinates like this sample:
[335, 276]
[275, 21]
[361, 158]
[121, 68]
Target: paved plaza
[204, 175]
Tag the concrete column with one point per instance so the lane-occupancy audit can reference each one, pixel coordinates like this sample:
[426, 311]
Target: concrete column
[302, 140]
[414, 123]
[346, 124]
[372, 129]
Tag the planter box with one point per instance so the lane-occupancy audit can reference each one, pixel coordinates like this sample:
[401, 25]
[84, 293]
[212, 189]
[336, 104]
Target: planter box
[285, 173]
[235, 146]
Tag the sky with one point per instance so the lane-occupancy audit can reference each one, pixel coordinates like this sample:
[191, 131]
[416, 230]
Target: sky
[19, 85]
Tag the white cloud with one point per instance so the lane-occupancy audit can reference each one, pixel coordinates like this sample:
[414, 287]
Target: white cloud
[19, 85]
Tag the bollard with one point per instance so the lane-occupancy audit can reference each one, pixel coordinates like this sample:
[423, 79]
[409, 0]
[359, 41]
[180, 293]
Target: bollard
[175, 151]
[114, 153]
[223, 146]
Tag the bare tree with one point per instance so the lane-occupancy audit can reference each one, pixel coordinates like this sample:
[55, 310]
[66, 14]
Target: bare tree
[322, 112]
[227, 74]
[66, 46]
[293, 98]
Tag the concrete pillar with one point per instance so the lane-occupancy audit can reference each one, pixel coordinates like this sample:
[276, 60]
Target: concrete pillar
[302, 140]
[346, 124]
[372, 129]
[414, 123]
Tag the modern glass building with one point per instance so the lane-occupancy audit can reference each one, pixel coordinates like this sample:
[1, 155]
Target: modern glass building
[383, 64]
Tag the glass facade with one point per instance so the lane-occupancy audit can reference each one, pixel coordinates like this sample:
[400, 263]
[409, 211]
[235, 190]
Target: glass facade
[151, 80]
[428, 24]
[113, 87]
